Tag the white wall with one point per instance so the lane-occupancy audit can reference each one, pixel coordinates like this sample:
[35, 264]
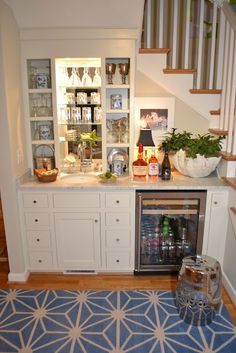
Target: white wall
[229, 263]
[12, 140]
[185, 118]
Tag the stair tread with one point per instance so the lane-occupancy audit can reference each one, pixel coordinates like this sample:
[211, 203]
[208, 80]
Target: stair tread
[154, 50]
[228, 156]
[205, 91]
[179, 71]
[231, 182]
[218, 131]
[215, 112]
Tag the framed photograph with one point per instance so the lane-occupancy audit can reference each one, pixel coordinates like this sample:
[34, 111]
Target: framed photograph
[116, 101]
[42, 81]
[156, 114]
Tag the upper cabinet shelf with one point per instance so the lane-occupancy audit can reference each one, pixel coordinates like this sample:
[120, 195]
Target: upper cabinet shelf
[117, 86]
[39, 74]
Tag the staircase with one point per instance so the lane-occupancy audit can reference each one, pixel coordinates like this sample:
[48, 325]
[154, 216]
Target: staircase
[200, 67]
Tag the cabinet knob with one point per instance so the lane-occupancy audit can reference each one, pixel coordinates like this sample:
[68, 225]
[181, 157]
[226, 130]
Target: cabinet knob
[40, 261]
[117, 239]
[38, 240]
[215, 203]
[34, 201]
[117, 260]
[117, 201]
[36, 220]
[96, 220]
[117, 220]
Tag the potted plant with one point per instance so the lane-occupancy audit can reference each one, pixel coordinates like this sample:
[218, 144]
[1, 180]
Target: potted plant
[195, 155]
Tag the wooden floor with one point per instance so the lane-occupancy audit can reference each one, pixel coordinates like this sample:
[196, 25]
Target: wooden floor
[100, 282]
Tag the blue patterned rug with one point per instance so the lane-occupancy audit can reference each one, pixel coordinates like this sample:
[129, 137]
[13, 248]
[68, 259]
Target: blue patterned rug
[73, 321]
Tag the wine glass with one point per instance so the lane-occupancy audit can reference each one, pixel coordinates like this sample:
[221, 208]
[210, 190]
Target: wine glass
[124, 70]
[110, 71]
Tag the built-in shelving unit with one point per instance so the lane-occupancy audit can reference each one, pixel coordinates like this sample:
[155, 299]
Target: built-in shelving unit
[40, 113]
[78, 114]
[118, 114]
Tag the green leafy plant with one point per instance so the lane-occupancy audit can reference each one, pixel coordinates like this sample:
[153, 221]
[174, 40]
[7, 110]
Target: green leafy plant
[90, 137]
[206, 145]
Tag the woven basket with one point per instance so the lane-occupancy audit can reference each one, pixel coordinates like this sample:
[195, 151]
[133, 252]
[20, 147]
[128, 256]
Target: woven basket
[47, 178]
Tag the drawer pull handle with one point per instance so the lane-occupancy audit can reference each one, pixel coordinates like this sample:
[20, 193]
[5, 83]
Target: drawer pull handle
[117, 201]
[38, 240]
[40, 261]
[117, 220]
[117, 260]
[34, 201]
[36, 220]
[117, 239]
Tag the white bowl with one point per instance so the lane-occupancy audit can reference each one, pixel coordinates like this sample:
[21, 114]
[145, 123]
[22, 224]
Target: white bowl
[198, 167]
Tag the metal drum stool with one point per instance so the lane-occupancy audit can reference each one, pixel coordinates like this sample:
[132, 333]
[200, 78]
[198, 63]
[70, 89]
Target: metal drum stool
[198, 294]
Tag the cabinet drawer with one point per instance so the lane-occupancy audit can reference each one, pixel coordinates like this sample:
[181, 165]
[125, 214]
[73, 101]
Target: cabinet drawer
[117, 219]
[39, 238]
[117, 200]
[118, 260]
[35, 200]
[77, 200]
[117, 238]
[41, 260]
[34, 220]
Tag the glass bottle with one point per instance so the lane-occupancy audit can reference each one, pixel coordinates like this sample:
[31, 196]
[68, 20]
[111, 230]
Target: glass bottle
[171, 244]
[165, 167]
[153, 166]
[140, 165]
[143, 245]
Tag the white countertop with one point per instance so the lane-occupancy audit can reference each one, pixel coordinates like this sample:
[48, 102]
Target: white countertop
[82, 182]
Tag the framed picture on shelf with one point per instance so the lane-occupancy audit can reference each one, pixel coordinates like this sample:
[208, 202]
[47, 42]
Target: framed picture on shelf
[155, 114]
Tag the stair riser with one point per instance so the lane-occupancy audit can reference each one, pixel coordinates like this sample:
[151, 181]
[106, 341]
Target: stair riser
[227, 168]
[178, 84]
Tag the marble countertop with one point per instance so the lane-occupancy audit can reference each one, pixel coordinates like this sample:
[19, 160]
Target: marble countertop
[73, 181]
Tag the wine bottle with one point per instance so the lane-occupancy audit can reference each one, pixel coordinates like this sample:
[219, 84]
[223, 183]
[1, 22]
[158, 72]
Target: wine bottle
[165, 167]
[140, 165]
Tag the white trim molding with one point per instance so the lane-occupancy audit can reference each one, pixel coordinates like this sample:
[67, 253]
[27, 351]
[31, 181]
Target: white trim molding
[18, 277]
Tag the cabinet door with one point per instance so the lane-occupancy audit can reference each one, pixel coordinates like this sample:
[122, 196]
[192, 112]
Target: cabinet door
[78, 240]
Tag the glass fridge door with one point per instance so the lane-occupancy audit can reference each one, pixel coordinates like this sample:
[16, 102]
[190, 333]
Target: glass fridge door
[169, 227]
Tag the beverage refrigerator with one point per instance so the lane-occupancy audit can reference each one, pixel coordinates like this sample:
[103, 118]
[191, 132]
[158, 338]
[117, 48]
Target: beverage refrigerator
[169, 226]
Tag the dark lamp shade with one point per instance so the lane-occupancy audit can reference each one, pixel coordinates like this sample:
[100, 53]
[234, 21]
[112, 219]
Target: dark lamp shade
[145, 138]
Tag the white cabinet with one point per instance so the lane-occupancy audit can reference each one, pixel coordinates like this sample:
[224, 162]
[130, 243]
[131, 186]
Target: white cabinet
[119, 231]
[216, 224]
[37, 230]
[78, 240]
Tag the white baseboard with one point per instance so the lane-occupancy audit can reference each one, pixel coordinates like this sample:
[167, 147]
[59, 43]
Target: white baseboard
[229, 288]
[18, 277]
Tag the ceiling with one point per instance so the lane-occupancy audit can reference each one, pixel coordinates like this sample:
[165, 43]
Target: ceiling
[77, 13]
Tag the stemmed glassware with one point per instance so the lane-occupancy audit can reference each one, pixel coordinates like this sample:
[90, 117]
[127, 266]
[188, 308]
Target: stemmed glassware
[124, 70]
[110, 71]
